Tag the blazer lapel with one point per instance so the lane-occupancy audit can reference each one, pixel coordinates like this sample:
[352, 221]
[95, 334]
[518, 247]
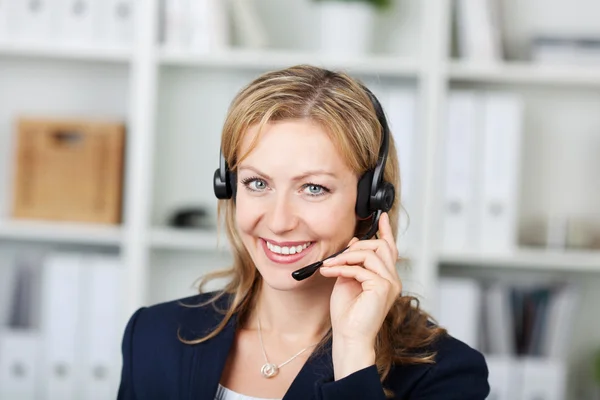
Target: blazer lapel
[202, 364]
[318, 368]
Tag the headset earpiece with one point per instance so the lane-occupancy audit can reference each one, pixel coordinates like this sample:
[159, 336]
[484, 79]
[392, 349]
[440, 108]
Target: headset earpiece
[224, 181]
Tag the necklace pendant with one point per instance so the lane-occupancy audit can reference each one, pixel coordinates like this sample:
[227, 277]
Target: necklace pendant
[269, 370]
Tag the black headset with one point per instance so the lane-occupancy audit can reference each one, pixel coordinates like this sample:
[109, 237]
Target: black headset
[374, 195]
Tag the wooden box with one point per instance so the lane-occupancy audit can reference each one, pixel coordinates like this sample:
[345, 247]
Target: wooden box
[69, 170]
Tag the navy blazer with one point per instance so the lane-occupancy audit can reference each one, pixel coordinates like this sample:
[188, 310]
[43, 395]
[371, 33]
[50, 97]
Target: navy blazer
[156, 365]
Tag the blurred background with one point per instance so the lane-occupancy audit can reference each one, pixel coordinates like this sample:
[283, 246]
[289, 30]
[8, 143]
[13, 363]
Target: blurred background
[110, 120]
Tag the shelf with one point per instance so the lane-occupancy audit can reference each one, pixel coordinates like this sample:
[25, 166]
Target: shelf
[65, 52]
[274, 59]
[546, 260]
[59, 232]
[525, 73]
[193, 240]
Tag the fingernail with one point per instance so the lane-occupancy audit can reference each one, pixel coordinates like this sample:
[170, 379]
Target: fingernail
[329, 261]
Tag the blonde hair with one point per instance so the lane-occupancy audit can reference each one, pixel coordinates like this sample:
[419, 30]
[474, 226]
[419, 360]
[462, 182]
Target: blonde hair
[342, 107]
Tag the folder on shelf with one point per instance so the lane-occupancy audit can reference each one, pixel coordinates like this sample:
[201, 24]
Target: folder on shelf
[8, 282]
[62, 338]
[30, 21]
[175, 23]
[461, 163]
[19, 366]
[498, 323]
[459, 309]
[478, 31]
[209, 25]
[501, 155]
[3, 21]
[76, 20]
[559, 322]
[542, 379]
[116, 22]
[504, 377]
[101, 327]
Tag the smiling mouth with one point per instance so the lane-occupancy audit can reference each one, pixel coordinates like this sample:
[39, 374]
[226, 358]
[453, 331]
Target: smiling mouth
[286, 254]
[287, 250]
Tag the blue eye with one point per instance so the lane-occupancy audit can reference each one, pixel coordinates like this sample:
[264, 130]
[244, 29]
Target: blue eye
[254, 184]
[316, 190]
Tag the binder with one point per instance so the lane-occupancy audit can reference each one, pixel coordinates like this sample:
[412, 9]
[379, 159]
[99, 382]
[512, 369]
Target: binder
[209, 25]
[504, 377]
[30, 21]
[116, 23]
[461, 163]
[77, 20]
[60, 326]
[459, 310]
[101, 327]
[501, 156]
[3, 21]
[176, 24]
[19, 367]
[543, 379]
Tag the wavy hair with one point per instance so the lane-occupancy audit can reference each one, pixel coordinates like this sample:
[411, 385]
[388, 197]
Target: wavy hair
[340, 105]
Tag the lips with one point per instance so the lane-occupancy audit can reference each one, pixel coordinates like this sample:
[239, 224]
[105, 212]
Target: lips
[284, 259]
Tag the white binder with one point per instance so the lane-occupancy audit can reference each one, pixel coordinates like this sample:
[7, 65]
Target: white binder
[461, 163]
[498, 208]
[61, 326]
[77, 20]
[116, 23]
[543, 379]
[504, 377]
[209, 25]
[101, 328]
[19, 367]
[30, 21]
[3, 21]
[459, 309]
[176, 20]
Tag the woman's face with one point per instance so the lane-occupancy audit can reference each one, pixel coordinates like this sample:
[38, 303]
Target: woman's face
[295, 200]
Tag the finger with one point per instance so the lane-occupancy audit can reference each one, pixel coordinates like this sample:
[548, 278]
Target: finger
[368, 279]
[385, 228]
[380, 247]
[366, 258]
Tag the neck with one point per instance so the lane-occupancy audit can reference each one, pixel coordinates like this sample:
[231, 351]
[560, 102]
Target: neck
[295, 316]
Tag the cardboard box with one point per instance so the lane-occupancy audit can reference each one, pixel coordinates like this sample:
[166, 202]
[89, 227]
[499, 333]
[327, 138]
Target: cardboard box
[69, 170]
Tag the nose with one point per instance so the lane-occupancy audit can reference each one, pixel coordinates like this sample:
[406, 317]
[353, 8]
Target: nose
[282, 216]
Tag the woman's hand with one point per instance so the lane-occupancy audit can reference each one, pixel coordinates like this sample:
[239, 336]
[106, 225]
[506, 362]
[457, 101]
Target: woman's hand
[367, 285]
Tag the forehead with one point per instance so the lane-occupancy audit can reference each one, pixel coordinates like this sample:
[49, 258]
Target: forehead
[291, 144]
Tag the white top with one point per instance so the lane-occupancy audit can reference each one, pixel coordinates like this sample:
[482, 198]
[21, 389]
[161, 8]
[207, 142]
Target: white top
[226, 394]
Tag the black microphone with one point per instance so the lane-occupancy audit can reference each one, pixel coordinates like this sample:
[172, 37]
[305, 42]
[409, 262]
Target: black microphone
[309, 270]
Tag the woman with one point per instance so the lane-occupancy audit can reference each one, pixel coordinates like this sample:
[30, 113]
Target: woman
[296, 143]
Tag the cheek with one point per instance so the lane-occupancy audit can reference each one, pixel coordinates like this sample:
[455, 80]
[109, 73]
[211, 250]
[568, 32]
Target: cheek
[333, 221]
[246, 214]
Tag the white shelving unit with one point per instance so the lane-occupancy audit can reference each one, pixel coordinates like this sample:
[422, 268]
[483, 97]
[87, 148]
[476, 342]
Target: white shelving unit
[174, 103]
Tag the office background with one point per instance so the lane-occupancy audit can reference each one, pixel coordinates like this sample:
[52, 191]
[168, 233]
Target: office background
[110, 119]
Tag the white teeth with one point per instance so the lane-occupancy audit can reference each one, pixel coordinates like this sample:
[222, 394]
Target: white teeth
[287, 250]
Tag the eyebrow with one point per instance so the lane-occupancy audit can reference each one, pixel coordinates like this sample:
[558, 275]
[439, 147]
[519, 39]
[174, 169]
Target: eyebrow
[306, 174]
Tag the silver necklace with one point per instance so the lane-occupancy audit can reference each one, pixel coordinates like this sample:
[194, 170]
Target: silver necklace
[268, 369]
